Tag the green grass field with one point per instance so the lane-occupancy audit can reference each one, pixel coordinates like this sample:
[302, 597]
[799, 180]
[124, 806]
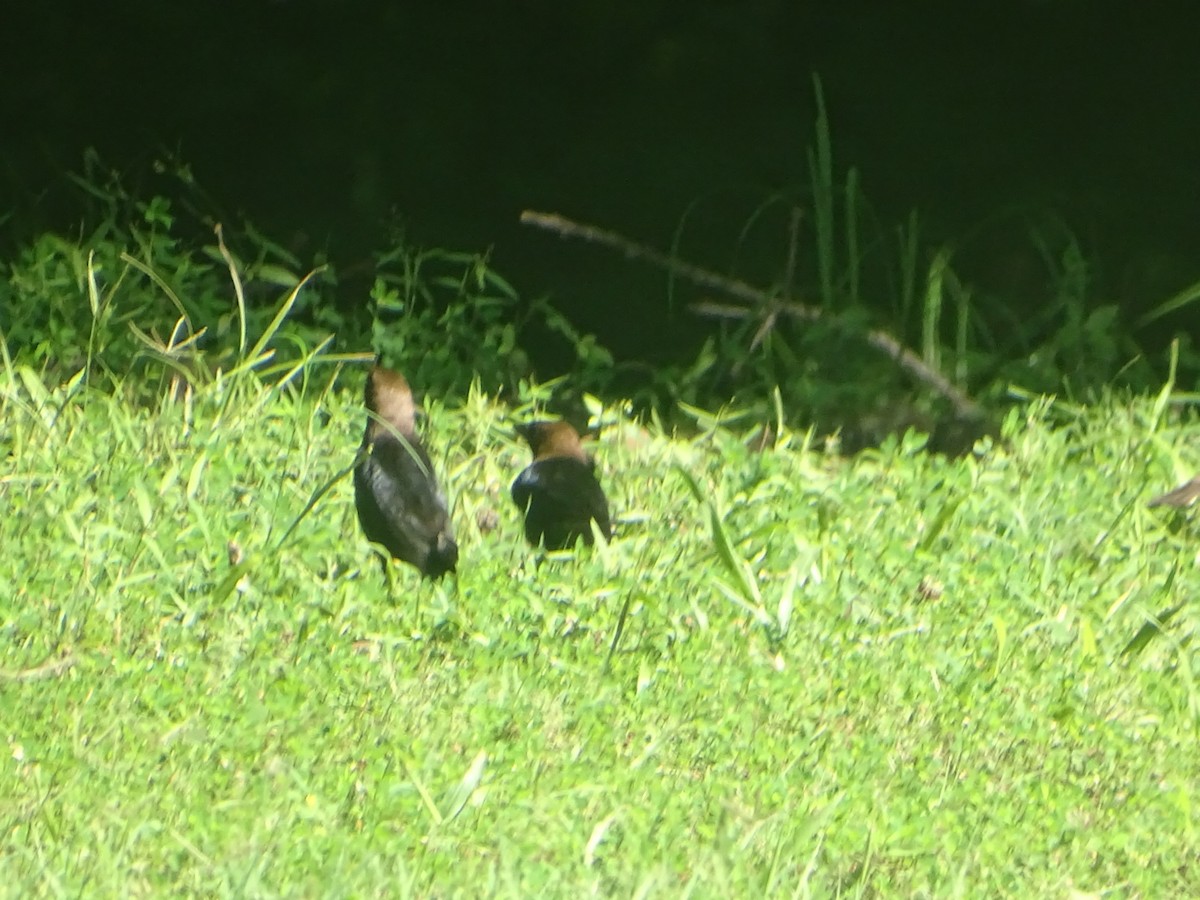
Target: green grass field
[887, 676]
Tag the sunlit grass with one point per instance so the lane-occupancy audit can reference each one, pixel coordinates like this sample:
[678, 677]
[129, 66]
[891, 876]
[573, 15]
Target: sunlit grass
[888, 676]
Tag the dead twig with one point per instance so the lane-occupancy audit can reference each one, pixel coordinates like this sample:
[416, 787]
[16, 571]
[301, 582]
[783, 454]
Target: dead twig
[593, 235]
[789, 279]
[964, 406]
[50, 669]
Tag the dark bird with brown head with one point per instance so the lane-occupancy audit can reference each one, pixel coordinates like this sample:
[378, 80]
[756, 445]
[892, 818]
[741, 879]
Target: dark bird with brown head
[400, 504]
[558, 492]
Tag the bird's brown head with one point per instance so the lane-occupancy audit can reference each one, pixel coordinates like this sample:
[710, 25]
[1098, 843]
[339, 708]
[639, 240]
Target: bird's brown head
[388, 396]
[552, 439]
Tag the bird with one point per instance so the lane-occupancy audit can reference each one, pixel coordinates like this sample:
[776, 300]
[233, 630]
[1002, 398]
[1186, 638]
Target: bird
[558, 492]
[400, 504]
[1184, 495]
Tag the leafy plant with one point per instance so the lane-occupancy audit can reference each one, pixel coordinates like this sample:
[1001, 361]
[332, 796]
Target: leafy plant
[449, 319]
[140, 290]
[129, 290]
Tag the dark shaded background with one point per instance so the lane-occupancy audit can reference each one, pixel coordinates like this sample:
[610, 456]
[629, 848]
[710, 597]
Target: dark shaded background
[318, 120]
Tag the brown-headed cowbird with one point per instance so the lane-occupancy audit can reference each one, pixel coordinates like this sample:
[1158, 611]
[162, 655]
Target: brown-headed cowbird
[558, 491]
[1184, 495]
[399, 502]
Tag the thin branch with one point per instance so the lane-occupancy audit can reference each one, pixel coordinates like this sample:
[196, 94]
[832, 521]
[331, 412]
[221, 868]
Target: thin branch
[567, 228]
[49, 669]
[963, 405]
[789, 273]
[789, 280]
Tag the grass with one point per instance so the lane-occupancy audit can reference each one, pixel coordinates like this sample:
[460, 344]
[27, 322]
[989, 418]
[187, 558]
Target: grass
[894, 675]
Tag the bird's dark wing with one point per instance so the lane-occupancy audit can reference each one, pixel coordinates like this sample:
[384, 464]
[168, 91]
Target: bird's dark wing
[560, 498]
[399, 502]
